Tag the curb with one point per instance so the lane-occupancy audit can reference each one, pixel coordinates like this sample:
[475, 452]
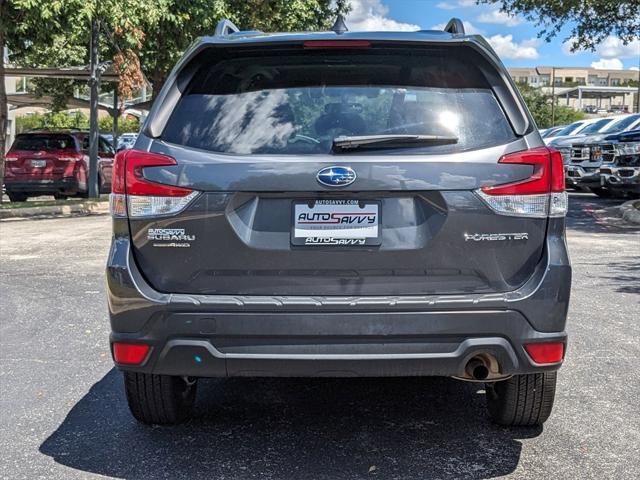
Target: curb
[630, 213]
[71, 210]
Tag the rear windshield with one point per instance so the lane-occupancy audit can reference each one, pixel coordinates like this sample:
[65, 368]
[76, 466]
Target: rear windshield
[298, 103]
[45, 141]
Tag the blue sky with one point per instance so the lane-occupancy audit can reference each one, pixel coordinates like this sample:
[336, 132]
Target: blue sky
[514, 39]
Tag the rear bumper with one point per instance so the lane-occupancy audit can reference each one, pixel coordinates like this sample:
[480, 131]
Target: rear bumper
[68, 185]
[337, 344]
[226, 335]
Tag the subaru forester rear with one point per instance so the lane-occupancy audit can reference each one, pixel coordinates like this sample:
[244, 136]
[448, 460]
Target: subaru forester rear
[363, 204]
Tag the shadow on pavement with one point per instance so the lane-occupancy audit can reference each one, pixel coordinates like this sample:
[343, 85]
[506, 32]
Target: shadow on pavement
[581, 216]
[295, 428]
[626, 276]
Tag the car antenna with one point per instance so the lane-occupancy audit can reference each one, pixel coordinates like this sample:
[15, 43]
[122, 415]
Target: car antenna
[339, 26]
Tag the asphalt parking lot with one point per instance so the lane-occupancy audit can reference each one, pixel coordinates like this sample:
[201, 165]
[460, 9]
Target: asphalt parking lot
[63, 413]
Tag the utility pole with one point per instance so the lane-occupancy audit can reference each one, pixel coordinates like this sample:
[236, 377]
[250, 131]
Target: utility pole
[553, 96]
[116, 113]
[638, 92]
[94, 83]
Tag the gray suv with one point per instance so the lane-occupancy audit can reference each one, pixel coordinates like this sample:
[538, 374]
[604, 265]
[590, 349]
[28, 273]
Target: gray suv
[339, 204]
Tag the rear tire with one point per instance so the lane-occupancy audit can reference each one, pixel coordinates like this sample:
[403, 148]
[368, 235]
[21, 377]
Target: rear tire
[522, 400]
[17, 197]
[159, 399]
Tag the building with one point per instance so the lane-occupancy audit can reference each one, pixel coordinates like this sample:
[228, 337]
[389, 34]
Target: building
[573, 76]
[585, 88]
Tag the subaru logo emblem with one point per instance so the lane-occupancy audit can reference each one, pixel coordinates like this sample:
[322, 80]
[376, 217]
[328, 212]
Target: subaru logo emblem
[336, 176]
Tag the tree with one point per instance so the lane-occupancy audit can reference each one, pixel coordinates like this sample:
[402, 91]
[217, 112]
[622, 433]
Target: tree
[540, 107]
[139, 36]
[56, 33]
[181, 22]
[593, 20]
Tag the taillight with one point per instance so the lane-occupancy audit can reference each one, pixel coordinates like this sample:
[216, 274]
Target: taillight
[546, 352]
[130, 353]
[10, 158]
[541, 195]
[133, 194]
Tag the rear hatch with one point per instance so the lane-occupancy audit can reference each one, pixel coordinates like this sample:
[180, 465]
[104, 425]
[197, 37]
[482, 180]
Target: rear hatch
[326, 169]
[42, 156]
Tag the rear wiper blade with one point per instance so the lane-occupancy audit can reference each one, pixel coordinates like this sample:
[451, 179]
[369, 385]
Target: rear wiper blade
[389, 141]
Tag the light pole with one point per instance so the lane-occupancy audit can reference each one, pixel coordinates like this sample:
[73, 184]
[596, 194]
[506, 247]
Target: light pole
[553, 96]
[94, 82]
[638, 93]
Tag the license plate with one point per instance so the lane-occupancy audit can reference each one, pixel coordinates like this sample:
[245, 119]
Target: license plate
[347, 223]
[38, 163]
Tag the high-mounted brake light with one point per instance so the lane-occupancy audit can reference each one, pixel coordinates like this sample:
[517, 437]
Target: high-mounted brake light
[143, 197]
[545, 353]
[540, 195]
[311, 44]
[130, 353]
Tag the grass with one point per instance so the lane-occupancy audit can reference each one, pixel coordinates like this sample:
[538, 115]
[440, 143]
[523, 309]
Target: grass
[5, 205]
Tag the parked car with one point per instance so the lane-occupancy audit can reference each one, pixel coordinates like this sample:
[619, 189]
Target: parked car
[570, 130]
[563, 143]
[126, 141]
[44, 162]
[549, 132]
[315, 204]
[586, 157]
[620, 169]
[108, 137]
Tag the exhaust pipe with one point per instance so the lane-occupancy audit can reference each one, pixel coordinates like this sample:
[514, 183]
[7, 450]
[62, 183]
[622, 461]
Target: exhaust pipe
[477, 369]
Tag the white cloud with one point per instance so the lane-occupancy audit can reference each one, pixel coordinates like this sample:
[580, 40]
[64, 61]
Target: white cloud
[608, 64]
[469, 28]
[371, 15]
[501, 18]
[446, 6]
[610, 47]
[505, 47]
[566, 47]
[634, 68]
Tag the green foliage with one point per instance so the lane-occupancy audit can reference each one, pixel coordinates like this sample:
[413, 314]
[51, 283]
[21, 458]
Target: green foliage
[125, 125]
[158, 31]
[63, 120]
[181, 22]
[591, 21]
[540, 107]
[51, 120]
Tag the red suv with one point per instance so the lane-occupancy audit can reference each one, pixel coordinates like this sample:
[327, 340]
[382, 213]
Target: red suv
[54, 163]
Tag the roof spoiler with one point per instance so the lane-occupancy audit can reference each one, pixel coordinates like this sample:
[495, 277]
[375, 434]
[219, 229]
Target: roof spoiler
[454, 26]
